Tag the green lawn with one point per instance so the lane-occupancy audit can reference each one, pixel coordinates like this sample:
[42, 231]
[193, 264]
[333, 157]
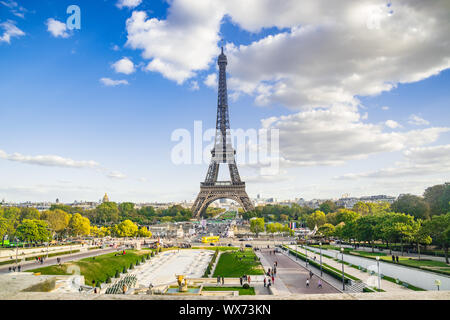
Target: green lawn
[98, 269]
[242, 292]
[234, 264]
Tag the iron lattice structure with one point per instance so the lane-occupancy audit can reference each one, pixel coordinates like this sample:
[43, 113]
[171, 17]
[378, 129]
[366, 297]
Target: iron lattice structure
[223, 152]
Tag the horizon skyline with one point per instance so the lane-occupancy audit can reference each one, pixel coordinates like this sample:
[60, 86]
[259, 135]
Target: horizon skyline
[358, 92]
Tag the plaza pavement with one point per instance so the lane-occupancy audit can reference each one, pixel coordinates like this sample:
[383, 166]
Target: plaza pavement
[291, 276]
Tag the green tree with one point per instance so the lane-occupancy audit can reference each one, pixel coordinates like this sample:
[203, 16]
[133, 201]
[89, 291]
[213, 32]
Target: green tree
[58, 220]
[438, 198]
[33, 231]
[29, 213]
[327, 230]
[3, 227]
[413, 205]
[316, 218]
[399, 227]
[439, 230]
[366, 229]
[327, 207]
[257, 225]
[127, 211]
[107, 212]
[361, 207]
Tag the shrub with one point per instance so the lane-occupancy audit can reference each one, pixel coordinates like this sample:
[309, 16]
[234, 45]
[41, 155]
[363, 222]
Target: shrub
[108, 280]
[98, 284]
[131, 266]
[117, 275]
[124, 270]
[148, 256]
[245, 286]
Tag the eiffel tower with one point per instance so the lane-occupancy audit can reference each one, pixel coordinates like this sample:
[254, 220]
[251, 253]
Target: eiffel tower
[223, 152]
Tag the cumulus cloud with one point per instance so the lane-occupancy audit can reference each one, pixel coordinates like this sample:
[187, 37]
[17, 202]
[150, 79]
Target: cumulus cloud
[332, 136]
[417, 121]
[384, 108]
[130, 4]
[211, 80]
[57, 28]
[194, 86]
[392, 124]
[10, 31]
[48, 160]
[417, 162]
[324, 53]
[124, 65]
[113, 83]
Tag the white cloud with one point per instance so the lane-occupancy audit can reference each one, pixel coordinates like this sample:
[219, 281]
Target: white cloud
[48, 160]
[385, 108]
[57, 28]
[211, 81]
[130, 4]
[328, 53]
[113, 83]
[116, 175]
[10, 31]
[417, 162]
[124, 65]
[392, 124]
[332, 136]
[417, 121]
[15, 8]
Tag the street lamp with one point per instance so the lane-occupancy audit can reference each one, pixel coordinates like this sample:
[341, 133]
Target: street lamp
[379, 276]
[320, 244]
[343, 279]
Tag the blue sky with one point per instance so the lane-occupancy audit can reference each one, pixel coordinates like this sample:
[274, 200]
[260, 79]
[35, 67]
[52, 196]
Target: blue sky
[117, 139]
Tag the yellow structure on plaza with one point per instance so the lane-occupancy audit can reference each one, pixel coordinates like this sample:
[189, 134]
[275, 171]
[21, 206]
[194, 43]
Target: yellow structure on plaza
[210, 239]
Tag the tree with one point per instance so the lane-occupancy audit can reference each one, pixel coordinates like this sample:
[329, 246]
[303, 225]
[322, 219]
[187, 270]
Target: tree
[3, 227]
[316, 218]
[413, 205]
[79, 225]
[438, 198]
[366, 229]
[346, 216]
[107, 212]
[143, 232]
[421, 236]
[127, 211]
[399, 227]
[29, 213]
[32, 231]
[126, 229]
[439, 229]
[257, 225]
[361, 207]
[327, 230]
[327, 207]
[58, 220]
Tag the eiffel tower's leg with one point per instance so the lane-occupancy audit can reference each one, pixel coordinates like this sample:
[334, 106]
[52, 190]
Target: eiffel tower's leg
[213, 172]
[234, 173]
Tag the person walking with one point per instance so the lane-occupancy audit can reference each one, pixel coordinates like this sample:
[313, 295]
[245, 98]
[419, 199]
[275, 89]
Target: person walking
[248, 279]
[311, 274]
[307, 283]
[393, 258]
[319, 284]
[240, 279]
[265, 281]
[396, 259]
[223, 280]
[273, 279]
[18, 268]
[218, 280]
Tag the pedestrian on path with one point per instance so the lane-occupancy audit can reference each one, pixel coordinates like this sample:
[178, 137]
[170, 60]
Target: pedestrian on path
[393, 258]
[396, 258]
[223, 280]
[311, 274]
[307, 283]
[218, 280]
[248, 279]
[265, 281]
[240, 279]
[273, 279]
[319, 284]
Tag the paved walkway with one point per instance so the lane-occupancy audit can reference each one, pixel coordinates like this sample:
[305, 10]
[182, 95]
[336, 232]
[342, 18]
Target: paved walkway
[30, 265]
[363, 276]
[291, 276]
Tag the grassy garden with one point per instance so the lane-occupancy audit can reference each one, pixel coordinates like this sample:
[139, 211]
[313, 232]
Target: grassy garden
[233, 264]
[242, 291]
[99, 268]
